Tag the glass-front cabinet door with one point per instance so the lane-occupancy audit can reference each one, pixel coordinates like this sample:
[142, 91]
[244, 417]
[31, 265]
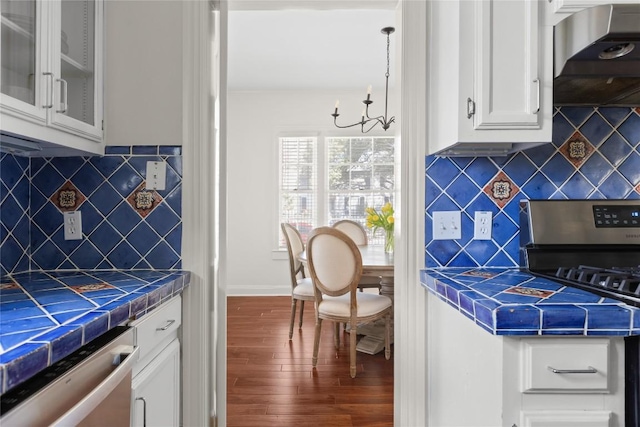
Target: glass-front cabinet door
[21, 78]
[51, 70]
[76, 66]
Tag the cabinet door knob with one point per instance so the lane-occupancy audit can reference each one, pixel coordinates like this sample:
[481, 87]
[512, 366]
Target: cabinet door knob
[166, 326]
[63, 101]
[49, 103]
[589, 370]
[471, 108]
[537, 82]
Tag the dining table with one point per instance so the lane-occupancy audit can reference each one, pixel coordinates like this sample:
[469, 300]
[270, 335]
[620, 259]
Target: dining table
[376, 262]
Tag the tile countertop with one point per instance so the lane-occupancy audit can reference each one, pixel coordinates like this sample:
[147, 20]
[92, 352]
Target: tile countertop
[45, 316]
[507, 301]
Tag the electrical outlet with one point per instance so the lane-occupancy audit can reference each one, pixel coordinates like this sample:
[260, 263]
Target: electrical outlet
[482, 225]
[447, 225]
[156, 175]
[72, 225]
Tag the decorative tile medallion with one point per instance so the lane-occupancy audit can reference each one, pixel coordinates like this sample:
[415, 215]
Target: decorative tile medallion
[91, 287]
[638, 188]
[477, 273]
[577, 149]
[530, 292]
[68, 197]
[501, 189]
[144, 201]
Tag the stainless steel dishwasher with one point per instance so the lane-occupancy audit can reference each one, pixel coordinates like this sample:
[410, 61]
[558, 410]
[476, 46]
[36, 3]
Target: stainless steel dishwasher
[91, 387]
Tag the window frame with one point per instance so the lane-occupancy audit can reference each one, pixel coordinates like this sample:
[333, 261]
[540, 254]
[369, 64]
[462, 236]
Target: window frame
[322, 189]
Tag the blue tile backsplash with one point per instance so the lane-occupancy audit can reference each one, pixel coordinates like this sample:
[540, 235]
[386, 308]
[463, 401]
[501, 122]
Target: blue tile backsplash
[124, 225]
[595, 154]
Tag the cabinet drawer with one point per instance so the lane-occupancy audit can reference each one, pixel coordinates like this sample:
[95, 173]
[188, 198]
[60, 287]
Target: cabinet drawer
[565, 418]
[565, 365]
[161, 323]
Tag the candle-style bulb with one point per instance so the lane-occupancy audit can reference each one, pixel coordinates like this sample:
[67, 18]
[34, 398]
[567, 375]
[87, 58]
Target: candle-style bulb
[337, 103]
[369, 90]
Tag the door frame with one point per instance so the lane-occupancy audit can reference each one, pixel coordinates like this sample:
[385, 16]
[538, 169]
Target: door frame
[204, 342]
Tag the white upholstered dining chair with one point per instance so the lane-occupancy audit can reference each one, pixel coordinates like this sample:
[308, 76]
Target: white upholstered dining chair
[301, 286]
[353, 229]
[358, 234]
[335, 267]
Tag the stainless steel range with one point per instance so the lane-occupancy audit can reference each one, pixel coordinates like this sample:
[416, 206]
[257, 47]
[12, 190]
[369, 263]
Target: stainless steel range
[588, 244]
[593, 245]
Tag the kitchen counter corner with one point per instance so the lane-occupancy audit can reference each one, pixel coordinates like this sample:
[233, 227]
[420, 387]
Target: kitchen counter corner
[508, 301]
[45, 316]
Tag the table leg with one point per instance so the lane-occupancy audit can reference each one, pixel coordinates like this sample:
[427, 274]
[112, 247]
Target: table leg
[373, 340]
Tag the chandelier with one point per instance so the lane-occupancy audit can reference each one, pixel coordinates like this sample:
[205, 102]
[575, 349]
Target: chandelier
[366, 119]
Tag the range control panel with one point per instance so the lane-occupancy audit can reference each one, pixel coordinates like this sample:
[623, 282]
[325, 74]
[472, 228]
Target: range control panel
[616, 216]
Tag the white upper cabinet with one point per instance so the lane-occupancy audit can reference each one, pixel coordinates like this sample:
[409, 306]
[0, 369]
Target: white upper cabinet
[490, 77]
[52, 73]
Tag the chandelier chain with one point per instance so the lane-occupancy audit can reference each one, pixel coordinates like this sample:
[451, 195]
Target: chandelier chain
[387, 73]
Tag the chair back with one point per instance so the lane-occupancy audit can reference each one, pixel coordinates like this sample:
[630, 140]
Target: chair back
[353, 229]
[294, 247]
[335, 263]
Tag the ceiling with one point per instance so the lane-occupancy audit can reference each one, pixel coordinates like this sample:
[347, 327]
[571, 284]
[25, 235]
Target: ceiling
[309, 49]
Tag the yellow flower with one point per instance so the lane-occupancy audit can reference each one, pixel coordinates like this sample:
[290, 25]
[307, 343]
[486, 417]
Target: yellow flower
[380, 219]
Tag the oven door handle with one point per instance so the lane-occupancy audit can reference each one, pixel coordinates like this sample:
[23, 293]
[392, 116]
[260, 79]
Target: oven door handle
[84, 407]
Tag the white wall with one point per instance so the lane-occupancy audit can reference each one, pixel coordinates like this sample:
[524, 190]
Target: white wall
[255, 120]
[143, 72]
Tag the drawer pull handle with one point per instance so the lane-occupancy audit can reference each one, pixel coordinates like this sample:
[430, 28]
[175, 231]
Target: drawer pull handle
[144, 411]
[590, 370]
[166, 326]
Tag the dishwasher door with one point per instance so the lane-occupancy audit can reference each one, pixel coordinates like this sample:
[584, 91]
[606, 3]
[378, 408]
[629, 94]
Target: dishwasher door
[91, 387]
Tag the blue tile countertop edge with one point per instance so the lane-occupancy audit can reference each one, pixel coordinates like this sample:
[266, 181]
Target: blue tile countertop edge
[508, 301]
[45, 316]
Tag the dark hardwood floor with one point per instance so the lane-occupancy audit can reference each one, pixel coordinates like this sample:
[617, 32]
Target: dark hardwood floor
[270, 380]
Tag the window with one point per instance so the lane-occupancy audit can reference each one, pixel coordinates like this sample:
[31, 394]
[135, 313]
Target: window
[324, 180]
[298, 184]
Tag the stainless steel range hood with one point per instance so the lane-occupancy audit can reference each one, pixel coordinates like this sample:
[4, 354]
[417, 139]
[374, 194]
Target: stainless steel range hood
[597, 57]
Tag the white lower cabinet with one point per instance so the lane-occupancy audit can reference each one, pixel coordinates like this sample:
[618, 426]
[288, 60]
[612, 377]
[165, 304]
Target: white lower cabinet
[476, 379]
[156, 390]
[156, 377]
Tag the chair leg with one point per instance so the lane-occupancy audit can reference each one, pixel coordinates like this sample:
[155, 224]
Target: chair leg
[352, 351]
[387, 336]
[316, 341]
[336, 335]
[301, 312]
[293, 316]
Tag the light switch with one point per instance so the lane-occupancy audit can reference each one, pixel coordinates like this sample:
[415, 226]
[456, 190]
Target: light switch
[482, 225]
[447, 225]
[72, 225]
[156, 175]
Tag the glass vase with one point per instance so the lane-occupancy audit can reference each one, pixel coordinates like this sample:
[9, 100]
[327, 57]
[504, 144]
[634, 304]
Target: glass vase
[388, 241]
